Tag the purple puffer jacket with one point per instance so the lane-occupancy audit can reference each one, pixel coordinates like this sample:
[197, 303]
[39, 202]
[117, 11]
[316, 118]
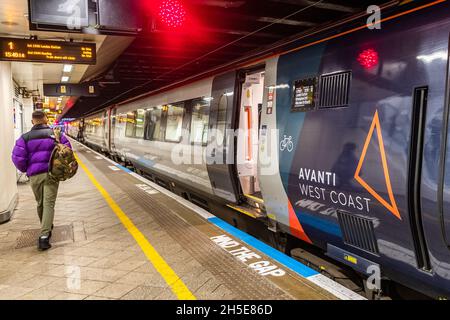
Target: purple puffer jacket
[33, 150]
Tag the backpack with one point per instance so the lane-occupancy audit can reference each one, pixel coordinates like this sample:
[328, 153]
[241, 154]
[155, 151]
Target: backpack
[63, 164]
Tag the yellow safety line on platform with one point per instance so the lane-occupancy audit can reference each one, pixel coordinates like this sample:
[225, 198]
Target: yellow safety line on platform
[171, 278]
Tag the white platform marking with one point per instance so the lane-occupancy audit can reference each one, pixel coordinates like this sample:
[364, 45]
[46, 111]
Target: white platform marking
[335, 288]
[147, 188]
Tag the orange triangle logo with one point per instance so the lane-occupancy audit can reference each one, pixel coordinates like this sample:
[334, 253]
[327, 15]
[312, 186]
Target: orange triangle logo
[392, 206]
[296, 226]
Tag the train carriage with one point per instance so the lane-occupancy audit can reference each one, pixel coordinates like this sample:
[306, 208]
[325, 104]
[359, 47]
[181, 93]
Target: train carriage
[341, 141]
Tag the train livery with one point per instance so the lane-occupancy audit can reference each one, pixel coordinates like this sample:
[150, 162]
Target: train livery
[341, 142]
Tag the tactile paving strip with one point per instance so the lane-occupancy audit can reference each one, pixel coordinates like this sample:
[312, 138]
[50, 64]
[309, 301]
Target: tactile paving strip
[243, 282]
[29, 238]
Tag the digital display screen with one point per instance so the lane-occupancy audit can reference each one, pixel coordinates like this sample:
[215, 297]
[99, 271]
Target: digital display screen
[47, 51]
[304, 94]
[72, 14]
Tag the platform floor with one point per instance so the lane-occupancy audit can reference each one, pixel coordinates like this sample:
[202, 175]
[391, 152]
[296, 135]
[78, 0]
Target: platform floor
[118, 238]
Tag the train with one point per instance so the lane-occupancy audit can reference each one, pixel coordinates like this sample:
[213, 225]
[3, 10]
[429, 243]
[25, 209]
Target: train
[340, 140]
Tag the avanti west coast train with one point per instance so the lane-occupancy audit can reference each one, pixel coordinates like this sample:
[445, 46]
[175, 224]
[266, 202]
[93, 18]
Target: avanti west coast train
[360, 162]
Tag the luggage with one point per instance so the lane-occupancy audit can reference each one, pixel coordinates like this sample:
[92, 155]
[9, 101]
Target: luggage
[63, 164]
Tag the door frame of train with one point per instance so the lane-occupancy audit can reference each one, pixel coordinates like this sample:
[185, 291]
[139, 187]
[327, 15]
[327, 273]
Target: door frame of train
[443, 156]
[106, 115]
[223, 175]
[241, 79]
[112, 128]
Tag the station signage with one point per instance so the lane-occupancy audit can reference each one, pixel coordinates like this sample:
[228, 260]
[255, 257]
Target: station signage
[304, 94]
[69, 89]
[29, 50]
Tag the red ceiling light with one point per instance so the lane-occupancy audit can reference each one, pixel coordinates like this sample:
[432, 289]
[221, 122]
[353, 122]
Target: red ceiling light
[172, 13]
[368, 58]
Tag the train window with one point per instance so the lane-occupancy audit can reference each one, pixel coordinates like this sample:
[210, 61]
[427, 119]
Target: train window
[139, 126]
[222, 119]
[130, 127]
[174, 124]
[199, 122]
[153, 124]
[93, 126]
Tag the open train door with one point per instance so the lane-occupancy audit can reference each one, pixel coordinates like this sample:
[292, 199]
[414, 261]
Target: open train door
[106, 126]
[220, 153]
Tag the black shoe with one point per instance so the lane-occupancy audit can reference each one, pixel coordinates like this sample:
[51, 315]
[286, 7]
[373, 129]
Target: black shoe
[50, 233]
[44, 243]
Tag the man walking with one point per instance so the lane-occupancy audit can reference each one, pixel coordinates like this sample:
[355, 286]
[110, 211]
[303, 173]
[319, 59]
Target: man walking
[32, 154]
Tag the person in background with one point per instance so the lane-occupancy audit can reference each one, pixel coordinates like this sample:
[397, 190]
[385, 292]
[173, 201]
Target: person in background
[32, 154]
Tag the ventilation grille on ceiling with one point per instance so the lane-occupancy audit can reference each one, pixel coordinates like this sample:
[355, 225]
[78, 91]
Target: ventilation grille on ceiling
[334, 90]
[358, 232]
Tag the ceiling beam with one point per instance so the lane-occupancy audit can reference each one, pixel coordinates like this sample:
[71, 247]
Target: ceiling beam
[141, 52]
[287, 22]
[151, 58]
[219, 3]
[234, 18]
[321, 5]
[222, 31]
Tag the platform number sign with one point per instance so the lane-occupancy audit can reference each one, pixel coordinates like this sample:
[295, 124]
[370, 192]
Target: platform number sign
[304, 95]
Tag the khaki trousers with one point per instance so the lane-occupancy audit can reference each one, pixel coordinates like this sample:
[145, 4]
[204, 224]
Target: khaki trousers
[45, 190]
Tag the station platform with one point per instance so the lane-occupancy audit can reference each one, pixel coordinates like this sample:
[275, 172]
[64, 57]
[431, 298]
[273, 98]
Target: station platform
[118, 236]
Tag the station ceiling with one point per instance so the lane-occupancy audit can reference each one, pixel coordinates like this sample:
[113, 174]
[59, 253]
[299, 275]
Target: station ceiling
[219, 32]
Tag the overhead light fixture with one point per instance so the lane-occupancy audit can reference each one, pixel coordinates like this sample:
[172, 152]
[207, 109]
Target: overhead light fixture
[65, 79]
[68, 68]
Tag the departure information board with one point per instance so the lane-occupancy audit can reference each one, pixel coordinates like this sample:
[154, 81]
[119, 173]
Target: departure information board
[304, 95]
[29, 50]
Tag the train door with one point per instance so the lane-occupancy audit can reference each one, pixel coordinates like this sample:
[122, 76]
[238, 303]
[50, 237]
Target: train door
[251, 99]
[220, 155]
[445, 169]
[113, 128]
[106, 141]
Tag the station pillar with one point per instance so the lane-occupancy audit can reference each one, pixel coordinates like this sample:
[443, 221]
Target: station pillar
[8, 173]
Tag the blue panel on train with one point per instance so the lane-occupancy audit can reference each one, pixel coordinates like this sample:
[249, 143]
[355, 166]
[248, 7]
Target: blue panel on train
[292, 67]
